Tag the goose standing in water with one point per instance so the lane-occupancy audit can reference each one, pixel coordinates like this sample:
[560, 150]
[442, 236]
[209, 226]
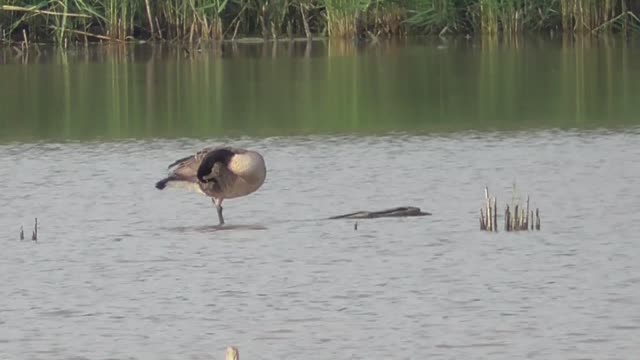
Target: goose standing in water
[220, 173]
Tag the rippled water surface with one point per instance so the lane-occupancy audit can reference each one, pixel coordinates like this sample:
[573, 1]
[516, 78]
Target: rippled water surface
[122, 270]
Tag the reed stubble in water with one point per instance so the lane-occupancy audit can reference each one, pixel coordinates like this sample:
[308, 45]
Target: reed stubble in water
[518, 219]
[34, 234]
[191, 20]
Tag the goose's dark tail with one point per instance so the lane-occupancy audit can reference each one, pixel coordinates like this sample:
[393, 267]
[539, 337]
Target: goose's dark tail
[163, 183]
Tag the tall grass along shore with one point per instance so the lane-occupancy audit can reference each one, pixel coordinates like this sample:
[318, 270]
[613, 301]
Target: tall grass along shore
[62, 21]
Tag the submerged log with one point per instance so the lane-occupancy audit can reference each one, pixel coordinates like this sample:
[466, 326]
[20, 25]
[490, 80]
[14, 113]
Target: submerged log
[402, 211]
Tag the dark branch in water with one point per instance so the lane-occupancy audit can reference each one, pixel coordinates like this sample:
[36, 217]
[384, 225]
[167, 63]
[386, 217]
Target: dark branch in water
[403, 211]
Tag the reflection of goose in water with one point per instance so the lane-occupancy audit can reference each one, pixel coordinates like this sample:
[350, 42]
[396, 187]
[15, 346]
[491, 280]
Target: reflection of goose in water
[220, 173]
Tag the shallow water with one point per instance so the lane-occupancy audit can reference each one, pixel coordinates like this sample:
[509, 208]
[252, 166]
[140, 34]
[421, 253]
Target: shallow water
[122, 270]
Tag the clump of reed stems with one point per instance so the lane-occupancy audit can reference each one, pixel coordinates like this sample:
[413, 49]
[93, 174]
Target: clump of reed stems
[516, 217]
[343, 17]
[34, 234]
[488, 214]
[521, 219]
[64, 21]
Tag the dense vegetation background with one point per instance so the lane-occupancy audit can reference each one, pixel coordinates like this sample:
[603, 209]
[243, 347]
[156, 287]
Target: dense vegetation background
[60, 20]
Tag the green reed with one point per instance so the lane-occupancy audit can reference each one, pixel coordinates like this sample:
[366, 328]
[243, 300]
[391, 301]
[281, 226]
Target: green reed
[342, 16]
[193, 20]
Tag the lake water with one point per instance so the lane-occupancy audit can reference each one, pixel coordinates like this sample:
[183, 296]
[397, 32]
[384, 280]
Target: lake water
[124, 271]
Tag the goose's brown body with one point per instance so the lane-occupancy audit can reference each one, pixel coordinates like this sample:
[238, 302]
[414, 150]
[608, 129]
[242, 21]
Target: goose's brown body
[220, 173]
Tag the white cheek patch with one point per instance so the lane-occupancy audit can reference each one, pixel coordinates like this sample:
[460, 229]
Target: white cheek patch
[209, 176]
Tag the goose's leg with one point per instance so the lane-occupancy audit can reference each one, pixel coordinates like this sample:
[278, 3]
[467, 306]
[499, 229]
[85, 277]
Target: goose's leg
[218, 204]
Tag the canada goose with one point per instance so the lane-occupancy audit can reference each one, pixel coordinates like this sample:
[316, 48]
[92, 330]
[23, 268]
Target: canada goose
[220, 173]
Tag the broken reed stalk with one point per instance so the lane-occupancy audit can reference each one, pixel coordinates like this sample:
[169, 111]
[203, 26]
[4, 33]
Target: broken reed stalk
[526, 223]
[495, 214]
[84, 33]
[520, 222]
[521, 219]
[149, 18]
[34, 235]
[305, 23]
[489, 213]
[488, 208]
[518, 219]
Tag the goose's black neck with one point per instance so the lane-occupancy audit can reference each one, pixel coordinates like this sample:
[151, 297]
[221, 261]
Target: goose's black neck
[220, 155]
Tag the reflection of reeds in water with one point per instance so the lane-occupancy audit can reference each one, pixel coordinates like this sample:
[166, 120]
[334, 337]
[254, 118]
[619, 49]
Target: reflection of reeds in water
[67, 21]
[151, 90]
[121, 53]
[120, 91]
[341, 48]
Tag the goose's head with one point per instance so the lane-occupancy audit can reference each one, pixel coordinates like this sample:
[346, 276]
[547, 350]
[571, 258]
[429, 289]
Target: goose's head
[206, 167]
